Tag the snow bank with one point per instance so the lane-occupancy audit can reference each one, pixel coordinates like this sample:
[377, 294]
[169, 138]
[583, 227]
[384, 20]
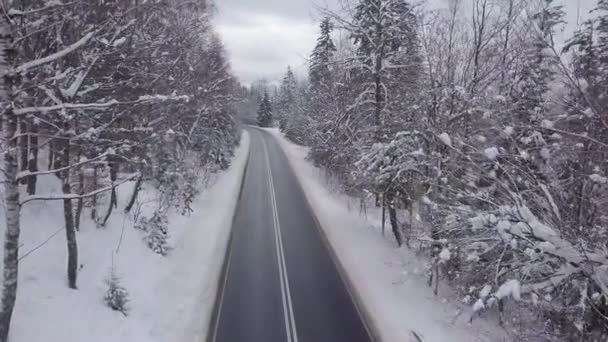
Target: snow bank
[391, 282]
[171, 298]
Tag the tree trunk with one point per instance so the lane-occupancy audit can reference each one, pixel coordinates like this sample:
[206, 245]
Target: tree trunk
[378, 81]
[94, 198]
[113, 199]
[33, 159]
[409, 204]
[23, 148]
[134, 195]
[80, 202]
[51, 155]
[392, 213]
[10, 278]
[68, 213]
[383, 214]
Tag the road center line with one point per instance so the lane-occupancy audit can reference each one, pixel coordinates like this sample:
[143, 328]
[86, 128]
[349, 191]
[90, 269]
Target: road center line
[286, 293]
[280, 238]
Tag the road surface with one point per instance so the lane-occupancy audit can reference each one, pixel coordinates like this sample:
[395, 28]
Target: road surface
[281, 283]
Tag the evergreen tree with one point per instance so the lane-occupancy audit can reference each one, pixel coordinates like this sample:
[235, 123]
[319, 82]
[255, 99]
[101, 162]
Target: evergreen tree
[385, 36]
[321, 89]
[265, 112]
[286, 100]
[319, 73]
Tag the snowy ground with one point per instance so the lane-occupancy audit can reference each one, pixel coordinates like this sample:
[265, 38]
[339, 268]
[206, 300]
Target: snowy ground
[171, 298]
[391, 282]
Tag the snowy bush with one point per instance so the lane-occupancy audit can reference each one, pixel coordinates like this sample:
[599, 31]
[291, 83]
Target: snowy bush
[116, 296]
[157, 231]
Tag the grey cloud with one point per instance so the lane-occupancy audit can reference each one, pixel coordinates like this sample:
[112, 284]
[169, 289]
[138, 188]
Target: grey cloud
[264, 37]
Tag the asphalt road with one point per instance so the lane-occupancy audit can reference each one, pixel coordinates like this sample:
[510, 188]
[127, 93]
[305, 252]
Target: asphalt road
[281, 283]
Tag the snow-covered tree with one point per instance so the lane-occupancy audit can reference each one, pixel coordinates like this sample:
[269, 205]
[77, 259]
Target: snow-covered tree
[487, 144]
[321, 58]
[10, 127]
[285, 106]
[265, 112]
[114, 91]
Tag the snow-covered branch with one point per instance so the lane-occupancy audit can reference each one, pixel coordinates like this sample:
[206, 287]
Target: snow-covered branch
[26, 173]
[60, 197]
[57, 55]
[101, 105]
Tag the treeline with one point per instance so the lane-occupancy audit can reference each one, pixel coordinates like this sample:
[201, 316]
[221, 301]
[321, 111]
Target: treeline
[483, 137]
[102, 93]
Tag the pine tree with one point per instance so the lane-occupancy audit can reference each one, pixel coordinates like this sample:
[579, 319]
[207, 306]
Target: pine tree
[286, 100]
[265, 112]
[319, 73]
[385, 35]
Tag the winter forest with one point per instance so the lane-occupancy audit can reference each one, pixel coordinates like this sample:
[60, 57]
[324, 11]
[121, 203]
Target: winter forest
[96, 94]
[479, 133]
[483, 138]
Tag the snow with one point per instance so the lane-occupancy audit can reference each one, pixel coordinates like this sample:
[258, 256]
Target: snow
[445, 138]
[445, 255]
[547, 124]
[491, 153]
[479, 305]
[485, 291]
[511, 288]
[598, 179]
[170, 298]
[390, 282]
[546, 246]
[545, 153]
[119, 42]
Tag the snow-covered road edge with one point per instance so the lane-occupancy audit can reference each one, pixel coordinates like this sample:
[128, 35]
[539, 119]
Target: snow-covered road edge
[396, 310]
[170, 298]
[212, 242]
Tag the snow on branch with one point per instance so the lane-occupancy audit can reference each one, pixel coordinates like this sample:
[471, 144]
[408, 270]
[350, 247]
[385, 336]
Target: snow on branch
[27, 173]
[100, 105]
[60, 197]
[55, 56]
[52, 5]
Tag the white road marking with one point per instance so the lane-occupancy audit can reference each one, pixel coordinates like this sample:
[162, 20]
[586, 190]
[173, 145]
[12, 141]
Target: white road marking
[290, 323]
[221, 304]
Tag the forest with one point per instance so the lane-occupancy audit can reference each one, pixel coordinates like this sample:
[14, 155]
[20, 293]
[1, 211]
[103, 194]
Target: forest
[477, 128]
[103, 93]
[483, 135]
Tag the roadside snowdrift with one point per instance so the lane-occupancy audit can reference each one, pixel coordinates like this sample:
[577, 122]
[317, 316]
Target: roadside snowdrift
[390, 282]
[170, 298]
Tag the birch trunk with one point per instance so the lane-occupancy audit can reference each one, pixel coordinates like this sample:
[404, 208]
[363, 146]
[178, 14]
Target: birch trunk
[11, 188]
[33, 159]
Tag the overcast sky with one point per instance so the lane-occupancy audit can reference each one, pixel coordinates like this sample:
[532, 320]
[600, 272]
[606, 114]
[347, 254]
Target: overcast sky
[263, 37]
